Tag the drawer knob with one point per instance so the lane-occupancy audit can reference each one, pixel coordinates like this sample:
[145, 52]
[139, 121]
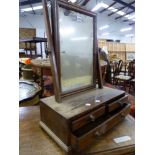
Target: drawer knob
[92, 118]
[97, 133]
[120, 103]
[122, 115]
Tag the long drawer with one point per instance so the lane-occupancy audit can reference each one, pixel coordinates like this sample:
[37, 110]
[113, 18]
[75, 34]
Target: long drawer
[84, 136]
[92, 116]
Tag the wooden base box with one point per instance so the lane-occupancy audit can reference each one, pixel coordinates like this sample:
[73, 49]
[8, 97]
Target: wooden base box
[79, 119]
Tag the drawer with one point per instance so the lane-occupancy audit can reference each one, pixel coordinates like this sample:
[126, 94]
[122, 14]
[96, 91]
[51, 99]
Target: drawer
[84, 136]
[91, 117]
[117, 104]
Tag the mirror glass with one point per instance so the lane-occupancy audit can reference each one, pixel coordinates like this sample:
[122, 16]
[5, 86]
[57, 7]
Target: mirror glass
[76, 50]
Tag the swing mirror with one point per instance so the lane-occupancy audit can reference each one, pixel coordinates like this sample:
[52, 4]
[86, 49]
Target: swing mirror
[75, 47]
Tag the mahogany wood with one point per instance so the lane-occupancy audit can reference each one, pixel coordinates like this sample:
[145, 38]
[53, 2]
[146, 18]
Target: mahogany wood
[99, 71]
[82, 116]
[81, 141]
[33, 140]
[79, 118]
[91, 117]
[75, 106]
[52, 53]
[55, 29]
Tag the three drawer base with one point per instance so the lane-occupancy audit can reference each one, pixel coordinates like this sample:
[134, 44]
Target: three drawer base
[55, 138]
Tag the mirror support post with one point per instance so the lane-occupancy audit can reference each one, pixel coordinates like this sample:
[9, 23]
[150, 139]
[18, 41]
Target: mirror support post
[52, 53]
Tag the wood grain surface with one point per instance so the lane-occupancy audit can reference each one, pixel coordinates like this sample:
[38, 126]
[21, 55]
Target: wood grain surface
[34, 141]
[41, 63]
[76, 105]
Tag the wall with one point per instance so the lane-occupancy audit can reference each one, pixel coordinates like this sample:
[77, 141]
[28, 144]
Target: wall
[114, 25]
[33, 21]
[127, 39]
[114, 29]
[36, 21]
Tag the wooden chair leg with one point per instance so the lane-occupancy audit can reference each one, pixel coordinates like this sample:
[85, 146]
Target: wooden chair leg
[124, 85]
[116, 81]
[129, 86]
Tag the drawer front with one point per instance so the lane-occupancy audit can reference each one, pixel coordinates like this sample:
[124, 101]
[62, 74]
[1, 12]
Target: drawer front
[118, 103]
[91, 117]
[82, 141]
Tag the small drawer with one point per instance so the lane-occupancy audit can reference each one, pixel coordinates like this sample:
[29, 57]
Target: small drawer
[82, 138]
[91, 117]
[117, 104]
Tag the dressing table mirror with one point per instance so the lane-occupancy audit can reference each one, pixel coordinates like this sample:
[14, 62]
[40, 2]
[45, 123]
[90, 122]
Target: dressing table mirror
[79, 111]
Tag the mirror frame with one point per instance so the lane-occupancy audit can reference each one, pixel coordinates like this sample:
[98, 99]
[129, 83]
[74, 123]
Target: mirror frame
[55, 4]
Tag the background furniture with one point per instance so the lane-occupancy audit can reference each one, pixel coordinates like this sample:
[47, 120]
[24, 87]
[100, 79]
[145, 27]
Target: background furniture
[26, 33]
[27, 73]
[123, 51]
[33, 140]
[41, 67]
[25, 69]
[116, 69]
[28, 93]
[103, 72]
[126, 79]
[29, 42]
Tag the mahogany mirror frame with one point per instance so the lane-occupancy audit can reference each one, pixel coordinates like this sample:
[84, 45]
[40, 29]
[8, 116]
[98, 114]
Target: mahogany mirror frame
[55, 4]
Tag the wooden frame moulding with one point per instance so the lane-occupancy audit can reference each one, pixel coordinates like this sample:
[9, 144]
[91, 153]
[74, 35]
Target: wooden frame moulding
[56, 40]
[51, 52]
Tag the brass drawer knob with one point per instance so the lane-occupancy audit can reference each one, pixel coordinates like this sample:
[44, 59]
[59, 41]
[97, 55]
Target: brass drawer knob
[120, 103]
[92, 118]
[97, 133]
[122, 115]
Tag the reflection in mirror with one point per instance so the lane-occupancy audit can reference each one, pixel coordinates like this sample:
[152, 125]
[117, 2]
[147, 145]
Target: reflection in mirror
[76, 49]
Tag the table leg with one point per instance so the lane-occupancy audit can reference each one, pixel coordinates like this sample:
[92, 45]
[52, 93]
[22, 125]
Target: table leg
[26, 49]
[41, 49]
[125, 70]
[30, 50]
[35, 51]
